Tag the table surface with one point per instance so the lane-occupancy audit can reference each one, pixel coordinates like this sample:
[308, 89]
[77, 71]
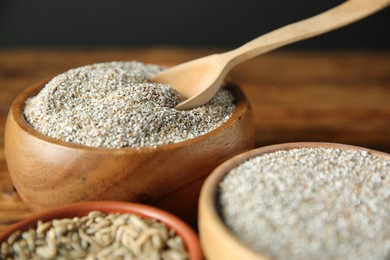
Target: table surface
[322, 96]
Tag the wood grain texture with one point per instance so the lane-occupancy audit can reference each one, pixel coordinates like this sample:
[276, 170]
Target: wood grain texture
[324, 96]
[49, 173]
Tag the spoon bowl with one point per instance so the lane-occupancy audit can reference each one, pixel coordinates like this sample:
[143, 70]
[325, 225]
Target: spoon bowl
[200, 79]
[212, 75]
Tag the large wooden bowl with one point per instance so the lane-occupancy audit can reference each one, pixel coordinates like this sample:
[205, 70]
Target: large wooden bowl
[217, 241]
[188, 236]
[47, 172]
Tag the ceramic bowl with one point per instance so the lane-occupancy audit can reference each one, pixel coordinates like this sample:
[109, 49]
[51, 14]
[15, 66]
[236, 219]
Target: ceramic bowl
[188, 236]
[47, 172]
[217, 241]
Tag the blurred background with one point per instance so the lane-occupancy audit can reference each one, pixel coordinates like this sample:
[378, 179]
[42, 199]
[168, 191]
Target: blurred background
[204, 23]
[332, 88]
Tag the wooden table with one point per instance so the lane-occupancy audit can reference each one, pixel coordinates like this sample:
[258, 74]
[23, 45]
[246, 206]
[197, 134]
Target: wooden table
[323, 96]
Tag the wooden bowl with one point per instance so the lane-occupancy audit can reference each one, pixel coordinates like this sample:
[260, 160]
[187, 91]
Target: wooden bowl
[188, 236]
[217, 241]
[47, 172]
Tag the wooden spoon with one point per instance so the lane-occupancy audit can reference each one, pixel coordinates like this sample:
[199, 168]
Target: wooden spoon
[200, 79]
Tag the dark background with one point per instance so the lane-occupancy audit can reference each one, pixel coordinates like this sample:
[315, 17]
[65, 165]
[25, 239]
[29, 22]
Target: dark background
[205, 23]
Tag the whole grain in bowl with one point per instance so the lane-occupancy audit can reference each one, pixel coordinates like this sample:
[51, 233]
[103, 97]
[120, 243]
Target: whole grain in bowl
[114, 105]
[310, 203]
[96, 236]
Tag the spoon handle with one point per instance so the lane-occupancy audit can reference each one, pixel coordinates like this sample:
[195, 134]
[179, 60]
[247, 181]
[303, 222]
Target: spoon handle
[341, 15]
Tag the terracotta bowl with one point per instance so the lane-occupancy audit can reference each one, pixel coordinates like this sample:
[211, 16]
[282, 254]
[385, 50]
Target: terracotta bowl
[188, 236]
[217, 241]
[48, 173]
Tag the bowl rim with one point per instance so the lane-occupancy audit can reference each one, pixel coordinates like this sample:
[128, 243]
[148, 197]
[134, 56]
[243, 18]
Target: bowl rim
[208, 194]
[189, 237]
[17, 107]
